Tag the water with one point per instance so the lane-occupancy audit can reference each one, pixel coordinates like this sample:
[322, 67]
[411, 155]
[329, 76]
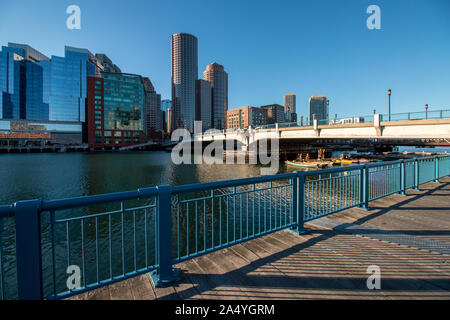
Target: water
[60, 175]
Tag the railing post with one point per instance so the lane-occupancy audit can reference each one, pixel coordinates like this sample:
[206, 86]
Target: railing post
[165, 274]
[364, 188]
[416, 174]
[300, 203]
[28, 249]
[402, 178]
[295, 198]
[436, 169]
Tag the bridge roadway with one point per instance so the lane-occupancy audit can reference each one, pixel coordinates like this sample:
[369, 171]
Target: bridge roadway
[417, 130]
[408, 237]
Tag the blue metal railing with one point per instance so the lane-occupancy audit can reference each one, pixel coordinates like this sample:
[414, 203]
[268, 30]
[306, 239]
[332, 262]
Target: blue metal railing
[115, 236]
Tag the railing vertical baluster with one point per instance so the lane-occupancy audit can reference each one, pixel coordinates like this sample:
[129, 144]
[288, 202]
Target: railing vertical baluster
[146, 236]
[110, 246]
[97, 249]
[165, 274]
[2, 270]
[28, 249]
[52, 226]
[83, 251]
[122, 234]
[204, 224]
[212, 218]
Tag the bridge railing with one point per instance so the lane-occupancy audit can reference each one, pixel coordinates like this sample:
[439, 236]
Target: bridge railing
[423, 115]
[45, 246]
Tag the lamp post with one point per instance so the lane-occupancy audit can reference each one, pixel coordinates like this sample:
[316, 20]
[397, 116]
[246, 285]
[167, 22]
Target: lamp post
[426, 111]
[389, 95]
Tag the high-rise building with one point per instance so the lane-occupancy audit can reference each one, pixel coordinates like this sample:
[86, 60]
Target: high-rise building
[275, 113]
[107, 64]
[169, 120]
[152, 113]
[65, 83]
[246, 116]
[289, 107]
[203, 103]
[216, 75]
[318, 108]
[21, 86]
[184, 48]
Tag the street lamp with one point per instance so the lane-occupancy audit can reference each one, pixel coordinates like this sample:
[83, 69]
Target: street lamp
[426, 111]
[389, 94]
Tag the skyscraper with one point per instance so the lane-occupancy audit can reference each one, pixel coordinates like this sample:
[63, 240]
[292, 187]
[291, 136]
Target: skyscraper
[289, 106]
[203, 103]
[184, 73]
[216, 75]
[65, 83]
[152, 113]
[21, 89]
[318, 108]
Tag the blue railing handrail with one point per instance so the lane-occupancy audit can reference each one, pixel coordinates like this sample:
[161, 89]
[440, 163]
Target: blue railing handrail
[71, 203]
[286, 205]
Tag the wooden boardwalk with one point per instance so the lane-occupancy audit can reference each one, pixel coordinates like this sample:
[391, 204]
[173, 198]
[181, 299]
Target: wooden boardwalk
[324, 263]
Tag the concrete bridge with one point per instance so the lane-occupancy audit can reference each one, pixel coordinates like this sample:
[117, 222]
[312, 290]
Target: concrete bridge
[429, 132]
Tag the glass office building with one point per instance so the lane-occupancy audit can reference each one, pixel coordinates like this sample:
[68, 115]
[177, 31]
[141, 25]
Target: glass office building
[21, 86]
[65, 83]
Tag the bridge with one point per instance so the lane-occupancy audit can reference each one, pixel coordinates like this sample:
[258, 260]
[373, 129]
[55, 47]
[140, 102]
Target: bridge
[418, 132]
[110, 243]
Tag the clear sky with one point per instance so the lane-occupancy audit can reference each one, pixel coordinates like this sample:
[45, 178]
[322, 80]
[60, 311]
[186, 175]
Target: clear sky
[268, 48]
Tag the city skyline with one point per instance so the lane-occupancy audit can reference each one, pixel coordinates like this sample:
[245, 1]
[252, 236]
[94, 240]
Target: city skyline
[354, 70]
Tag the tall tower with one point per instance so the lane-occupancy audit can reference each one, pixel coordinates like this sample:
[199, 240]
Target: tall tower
[289, 106]
[318, 108]
[216, 75]
[184, 73]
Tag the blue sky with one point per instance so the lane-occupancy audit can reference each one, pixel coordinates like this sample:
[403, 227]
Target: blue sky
[268, 48]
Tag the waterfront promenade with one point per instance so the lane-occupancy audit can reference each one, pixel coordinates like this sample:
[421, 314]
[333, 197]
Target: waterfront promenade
[408, 237]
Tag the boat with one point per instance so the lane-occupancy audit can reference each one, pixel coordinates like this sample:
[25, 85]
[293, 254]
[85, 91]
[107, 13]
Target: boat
[306, 164]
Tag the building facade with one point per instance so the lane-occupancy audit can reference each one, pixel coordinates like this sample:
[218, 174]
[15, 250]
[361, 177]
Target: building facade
[21, 84]
[152, 113]
[290, 107]
[245, 117]
[184, 64]
[203, 103]
[216, 75]
[107, 64]
[65, 83]
[318, 108]
[275, 113]
[115, 110]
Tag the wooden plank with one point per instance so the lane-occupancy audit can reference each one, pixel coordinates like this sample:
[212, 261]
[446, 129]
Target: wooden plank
[141, 288]
[120, 291]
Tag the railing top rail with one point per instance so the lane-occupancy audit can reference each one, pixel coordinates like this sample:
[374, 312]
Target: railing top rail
[230, 183]
[98, 199]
